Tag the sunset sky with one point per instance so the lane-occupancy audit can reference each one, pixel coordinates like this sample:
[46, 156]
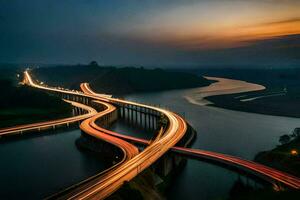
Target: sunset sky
[151, 32]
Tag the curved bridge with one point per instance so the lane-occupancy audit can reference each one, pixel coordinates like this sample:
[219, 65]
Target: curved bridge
[129, 169]
[135, 162]
[53, 123]
[266, 173]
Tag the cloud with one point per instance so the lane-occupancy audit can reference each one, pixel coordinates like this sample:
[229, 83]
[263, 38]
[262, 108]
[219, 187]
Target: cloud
[284, 21]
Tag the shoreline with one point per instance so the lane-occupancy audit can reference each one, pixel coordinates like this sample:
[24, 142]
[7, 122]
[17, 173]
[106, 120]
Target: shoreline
[223, 86]
[280, 157]
[242, 96]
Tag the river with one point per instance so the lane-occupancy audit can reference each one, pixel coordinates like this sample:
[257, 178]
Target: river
[37, 166]
[231, 132]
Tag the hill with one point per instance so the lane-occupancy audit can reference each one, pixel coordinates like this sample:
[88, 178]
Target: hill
[22, 105]
[118, 81]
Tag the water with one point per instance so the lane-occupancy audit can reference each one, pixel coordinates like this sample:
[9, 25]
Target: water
[225, 131]
[124, 128]
[36, 167]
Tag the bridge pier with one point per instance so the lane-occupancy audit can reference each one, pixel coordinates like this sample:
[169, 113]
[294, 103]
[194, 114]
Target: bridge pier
[111, 153]
[138, 116]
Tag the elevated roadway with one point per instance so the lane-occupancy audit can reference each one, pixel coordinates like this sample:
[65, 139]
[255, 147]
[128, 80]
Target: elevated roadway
[159, 146]
[50, 124]
[132, 167]
[266, 173]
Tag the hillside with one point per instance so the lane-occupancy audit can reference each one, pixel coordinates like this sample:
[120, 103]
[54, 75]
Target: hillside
[22, 105]
[118, 81]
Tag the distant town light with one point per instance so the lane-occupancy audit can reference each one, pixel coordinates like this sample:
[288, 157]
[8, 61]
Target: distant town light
[294, 152]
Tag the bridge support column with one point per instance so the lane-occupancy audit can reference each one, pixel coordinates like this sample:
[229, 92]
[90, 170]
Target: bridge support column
[136, 115]
[149, 121]
[131, 114]
[123, 111]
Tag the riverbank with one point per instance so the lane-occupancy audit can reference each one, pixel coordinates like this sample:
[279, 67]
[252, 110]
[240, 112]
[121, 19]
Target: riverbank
[220, 87]
[118, 81]
[249, 97]
[284, 157]
[24, 105]
[220, 130]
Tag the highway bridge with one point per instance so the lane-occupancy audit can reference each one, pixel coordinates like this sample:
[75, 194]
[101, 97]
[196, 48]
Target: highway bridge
[266, 173]
[134, 162]
[130, 168]
[20, 129]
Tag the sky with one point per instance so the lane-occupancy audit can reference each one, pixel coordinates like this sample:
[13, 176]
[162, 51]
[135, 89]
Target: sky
[177, 33]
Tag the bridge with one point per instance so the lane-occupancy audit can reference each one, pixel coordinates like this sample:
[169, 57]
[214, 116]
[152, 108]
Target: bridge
[271, 175]
[172, 133]
[134, 161]
[78, 108]
[266, 173]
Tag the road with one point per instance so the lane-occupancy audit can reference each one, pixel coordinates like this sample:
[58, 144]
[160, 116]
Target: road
[127, 171]
[129, 151]
[131, 168]
[267, 173]
[49, 124]
[257, 169]
[138, 162]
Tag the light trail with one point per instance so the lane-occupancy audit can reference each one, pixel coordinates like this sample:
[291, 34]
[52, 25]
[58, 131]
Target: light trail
[48, 124]
[267, 173]
[129, 169]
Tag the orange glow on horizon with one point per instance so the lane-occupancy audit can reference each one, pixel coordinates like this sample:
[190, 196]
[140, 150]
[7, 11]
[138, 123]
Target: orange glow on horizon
[237, 37]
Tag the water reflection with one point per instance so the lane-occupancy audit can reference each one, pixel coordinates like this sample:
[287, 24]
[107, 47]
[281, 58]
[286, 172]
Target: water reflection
[225, 131]
[37, 166]
[208, 181]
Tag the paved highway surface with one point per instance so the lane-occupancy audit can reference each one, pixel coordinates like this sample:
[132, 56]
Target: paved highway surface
[136, 162]
[129, 169]
[49, 124]
[267, 173]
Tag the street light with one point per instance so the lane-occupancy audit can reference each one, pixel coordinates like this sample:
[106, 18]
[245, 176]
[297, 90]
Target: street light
[294, 152]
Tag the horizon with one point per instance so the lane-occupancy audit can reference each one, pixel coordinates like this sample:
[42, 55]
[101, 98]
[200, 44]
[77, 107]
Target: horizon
[152, 33]
[167, 67]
